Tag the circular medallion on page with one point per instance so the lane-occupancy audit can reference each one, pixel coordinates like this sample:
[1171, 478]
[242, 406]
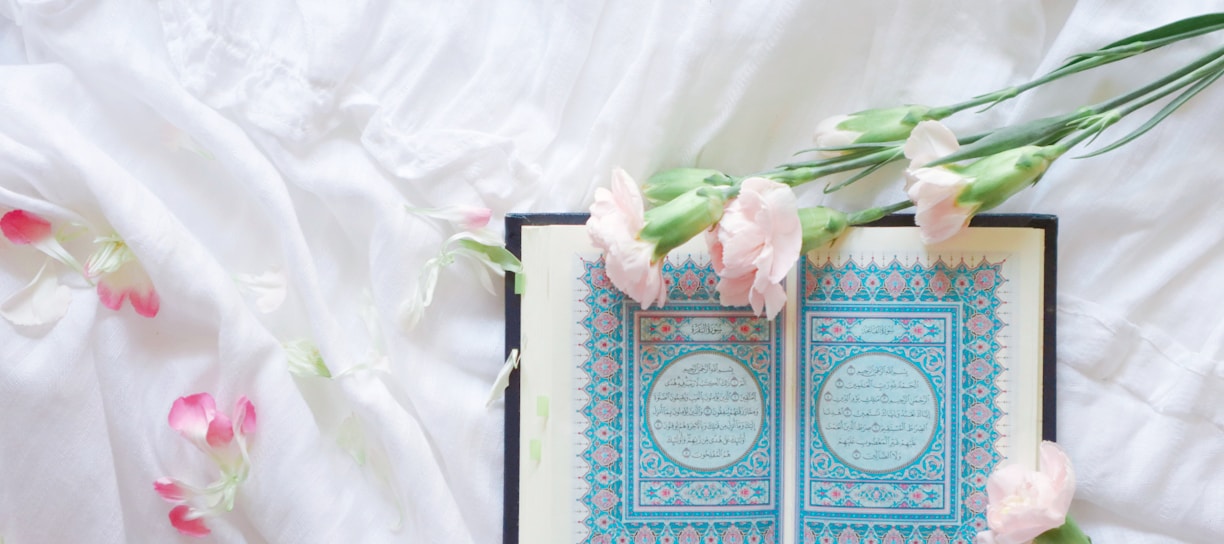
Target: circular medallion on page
[876, 412]
[705, 411]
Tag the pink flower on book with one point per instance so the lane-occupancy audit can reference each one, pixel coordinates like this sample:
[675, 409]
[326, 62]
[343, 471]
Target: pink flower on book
[120, 277]
[617, 217]
[755, 245]
[1026, 503]
[196, 418]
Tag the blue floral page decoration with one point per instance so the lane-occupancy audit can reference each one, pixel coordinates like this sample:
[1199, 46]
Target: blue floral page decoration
[679, 414]
[897, 413]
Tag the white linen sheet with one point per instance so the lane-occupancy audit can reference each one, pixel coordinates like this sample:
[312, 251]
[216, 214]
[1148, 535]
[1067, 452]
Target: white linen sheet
[226, 137]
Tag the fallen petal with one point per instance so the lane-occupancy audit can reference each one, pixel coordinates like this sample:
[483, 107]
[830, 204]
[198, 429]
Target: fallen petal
[22, 227]
[267, 288]
[220, 431]
[245, 414]
[188, 521]
[191, 416]
[170, 489]
[43, 301]
[130, 282]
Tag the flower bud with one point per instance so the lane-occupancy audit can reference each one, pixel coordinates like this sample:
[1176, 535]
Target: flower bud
[997, 177]
[870, 126]
[821, 226]
[679, 220]
[664, 186]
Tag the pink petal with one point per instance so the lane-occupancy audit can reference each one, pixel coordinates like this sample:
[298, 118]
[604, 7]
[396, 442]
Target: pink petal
[759, 238]
[111, 298]
[475, 218]
[129, 282]
[191, 415]
[617, 215]
[188, 521]
[734, 290]
[220, 431]
[716, 250]
[22, 227]
[145, 302]
[169, 489]
[930, 140]
[629, 267]
[245, 412]
[1056, 466]
[628, 198]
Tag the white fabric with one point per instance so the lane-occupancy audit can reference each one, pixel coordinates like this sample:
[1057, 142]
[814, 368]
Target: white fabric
[323, 119]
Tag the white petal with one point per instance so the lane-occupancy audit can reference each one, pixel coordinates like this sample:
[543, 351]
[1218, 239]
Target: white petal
[503, 378]
[351, 438]
[267, 288]
[43, 301]
[929, 141]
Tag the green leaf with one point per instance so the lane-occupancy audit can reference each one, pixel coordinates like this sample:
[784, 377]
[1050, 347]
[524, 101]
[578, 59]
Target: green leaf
[1157, 37]
[1160, 115]
[497, 255]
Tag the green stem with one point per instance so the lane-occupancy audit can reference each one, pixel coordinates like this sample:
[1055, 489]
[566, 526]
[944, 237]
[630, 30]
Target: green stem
[1098, 58]
[1156, 85]
[800, 174]
[866, 216]
[1210, 69]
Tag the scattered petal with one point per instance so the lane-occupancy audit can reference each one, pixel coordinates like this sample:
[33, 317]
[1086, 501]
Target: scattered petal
[503, 377]
[191, 416]
[267, 288]
[220, 431]
[170, 489]
[43, 301]
[188, 521]
[130, 281]
[245, 411]
[351, 439]
[22, 227]
[468, 218]
[305, 360]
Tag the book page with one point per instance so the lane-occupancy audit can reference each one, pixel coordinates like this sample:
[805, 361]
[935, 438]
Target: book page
[871, 409]
[665, 424]
[918, 373]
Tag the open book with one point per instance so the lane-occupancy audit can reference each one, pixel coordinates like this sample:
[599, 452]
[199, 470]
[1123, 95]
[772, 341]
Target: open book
[872, 409]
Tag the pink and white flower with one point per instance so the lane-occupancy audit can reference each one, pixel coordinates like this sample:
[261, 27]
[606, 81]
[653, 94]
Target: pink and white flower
[196, 418]
[947, 196]
[120, 277]
[934, 190]
[1026, 503]
[755, 245]
[617, 218]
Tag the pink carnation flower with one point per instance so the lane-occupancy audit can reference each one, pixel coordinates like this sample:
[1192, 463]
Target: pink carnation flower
[934, 189]
[1024, 503]
[617, 217]
[755, 245]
